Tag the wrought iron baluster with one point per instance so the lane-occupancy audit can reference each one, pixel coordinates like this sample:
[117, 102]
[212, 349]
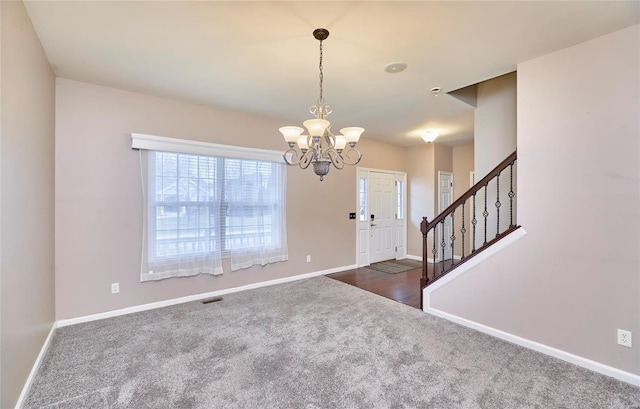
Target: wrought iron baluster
[485, 213]
[443, 244]
[498, 204]
[463, 230]
[434, 251]
[474, 222]
[511, 194]
[453, 234]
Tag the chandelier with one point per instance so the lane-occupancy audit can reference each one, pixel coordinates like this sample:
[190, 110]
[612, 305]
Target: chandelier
[321, 147]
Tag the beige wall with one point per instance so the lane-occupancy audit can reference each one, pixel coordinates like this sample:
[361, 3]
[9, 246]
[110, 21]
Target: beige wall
[99, 198]
[26, 207]
[575, 279]
[423, 163]
[420, 192]
[494, 122]
[462, 166]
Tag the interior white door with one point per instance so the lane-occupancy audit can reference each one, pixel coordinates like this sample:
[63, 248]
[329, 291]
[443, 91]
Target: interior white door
[382, 200]
[445, 198]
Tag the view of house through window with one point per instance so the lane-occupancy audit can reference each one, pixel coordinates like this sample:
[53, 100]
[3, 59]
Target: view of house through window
[184, 205]
[204, 206]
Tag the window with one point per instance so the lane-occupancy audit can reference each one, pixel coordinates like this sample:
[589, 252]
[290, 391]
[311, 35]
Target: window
[183, 205]
[250, 206]
[400, 193]
[200, 208]
[363, 199]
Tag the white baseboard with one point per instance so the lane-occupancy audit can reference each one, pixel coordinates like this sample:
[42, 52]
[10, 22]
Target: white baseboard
[418, 258]
[430, 260]
[34, 369]
[196, 297]
[536, 346]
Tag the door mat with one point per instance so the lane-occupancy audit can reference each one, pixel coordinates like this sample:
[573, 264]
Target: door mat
[396, 266]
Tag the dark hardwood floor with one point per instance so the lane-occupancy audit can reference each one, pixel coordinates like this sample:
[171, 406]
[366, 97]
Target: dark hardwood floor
[401, 287]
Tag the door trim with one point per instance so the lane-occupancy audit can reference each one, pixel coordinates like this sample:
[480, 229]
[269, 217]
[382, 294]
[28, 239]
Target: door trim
[440, 173]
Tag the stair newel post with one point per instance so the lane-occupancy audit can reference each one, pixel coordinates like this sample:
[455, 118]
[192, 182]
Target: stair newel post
[423, 228]
[425, 278]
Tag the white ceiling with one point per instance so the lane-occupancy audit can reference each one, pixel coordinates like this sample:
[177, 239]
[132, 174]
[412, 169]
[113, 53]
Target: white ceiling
[261, 56]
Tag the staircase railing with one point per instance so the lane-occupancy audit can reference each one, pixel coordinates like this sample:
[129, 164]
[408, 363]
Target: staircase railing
[439, 240]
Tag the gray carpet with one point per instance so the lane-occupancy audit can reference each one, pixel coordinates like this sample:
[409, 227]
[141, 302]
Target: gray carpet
[316, 343]
[396, 266]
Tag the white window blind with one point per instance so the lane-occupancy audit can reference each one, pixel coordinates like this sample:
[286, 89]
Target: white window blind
[200, 208]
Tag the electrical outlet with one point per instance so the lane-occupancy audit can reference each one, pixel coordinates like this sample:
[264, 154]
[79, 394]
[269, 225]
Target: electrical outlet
[115, 288]
[624, 338]
[309, 258]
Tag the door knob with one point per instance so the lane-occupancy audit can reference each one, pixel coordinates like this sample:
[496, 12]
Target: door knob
[373, 225]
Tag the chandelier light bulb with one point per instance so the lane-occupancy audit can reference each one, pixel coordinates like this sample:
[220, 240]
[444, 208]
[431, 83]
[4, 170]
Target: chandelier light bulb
[291, 133]
[303, 142]
[352, 134]
[341, 143]
[316, 127]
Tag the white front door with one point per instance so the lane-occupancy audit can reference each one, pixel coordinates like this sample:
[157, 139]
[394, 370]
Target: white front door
[445, 198]
[382, 216]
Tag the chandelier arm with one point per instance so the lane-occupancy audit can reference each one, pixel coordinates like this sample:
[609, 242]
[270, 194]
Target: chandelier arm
[307, 158]
[347, 155]
[295, 157]
[336, 159]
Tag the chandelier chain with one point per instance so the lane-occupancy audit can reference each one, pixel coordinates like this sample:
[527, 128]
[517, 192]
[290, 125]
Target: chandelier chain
[321, 99]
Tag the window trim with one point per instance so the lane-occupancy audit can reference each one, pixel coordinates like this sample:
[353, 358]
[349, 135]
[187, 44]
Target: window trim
[163, 143]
